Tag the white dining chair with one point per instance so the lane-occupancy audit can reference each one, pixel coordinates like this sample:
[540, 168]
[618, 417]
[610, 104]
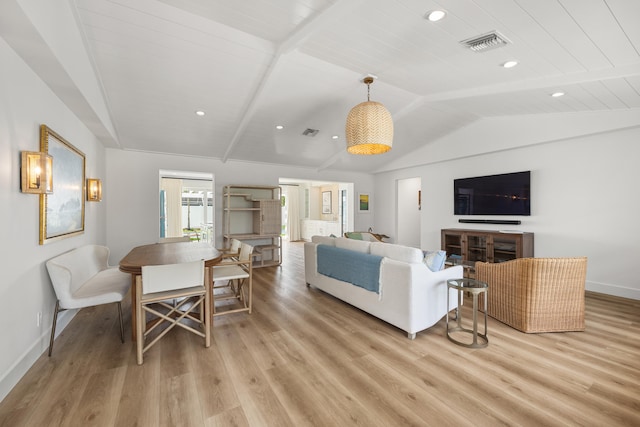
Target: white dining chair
[188, 282]
[233, 280]
[233, 251]
[82, 278]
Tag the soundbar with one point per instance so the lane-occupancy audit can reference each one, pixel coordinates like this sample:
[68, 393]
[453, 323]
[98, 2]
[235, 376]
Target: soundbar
[491, 221]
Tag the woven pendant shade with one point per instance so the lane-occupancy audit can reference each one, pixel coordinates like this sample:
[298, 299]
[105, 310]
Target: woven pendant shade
[369, 128]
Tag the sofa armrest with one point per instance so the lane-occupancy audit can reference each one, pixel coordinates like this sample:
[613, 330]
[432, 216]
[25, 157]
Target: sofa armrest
[310, 261]
[439, 279]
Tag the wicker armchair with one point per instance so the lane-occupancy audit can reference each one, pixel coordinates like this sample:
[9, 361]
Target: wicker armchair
[536, 294]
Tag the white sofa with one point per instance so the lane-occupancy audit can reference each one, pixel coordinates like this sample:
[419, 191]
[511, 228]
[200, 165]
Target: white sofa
[411, 296]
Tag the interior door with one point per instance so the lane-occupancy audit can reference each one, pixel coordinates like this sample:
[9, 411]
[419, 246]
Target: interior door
[408, 215]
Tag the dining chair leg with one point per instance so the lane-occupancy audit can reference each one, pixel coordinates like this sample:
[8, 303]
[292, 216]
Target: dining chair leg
[203, 306]
[208, 315]
[250, 293]
[53, 327]
[121, 325]
[208, 318]
[140, 317]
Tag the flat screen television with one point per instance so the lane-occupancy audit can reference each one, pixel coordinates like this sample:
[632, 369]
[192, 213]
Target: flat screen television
[503, 194]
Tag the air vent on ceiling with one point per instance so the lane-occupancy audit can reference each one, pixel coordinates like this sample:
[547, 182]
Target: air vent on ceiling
[310, 132]
[487, 41]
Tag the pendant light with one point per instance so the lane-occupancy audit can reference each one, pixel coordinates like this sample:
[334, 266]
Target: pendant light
[369, 128]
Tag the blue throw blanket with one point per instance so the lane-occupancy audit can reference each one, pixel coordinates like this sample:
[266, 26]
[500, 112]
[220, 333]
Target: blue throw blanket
[357, 268]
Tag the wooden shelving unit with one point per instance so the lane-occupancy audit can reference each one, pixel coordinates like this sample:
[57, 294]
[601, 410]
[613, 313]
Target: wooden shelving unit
[252, 213]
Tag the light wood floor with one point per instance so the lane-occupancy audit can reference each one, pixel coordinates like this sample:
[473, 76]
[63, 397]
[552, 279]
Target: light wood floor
[305, 358]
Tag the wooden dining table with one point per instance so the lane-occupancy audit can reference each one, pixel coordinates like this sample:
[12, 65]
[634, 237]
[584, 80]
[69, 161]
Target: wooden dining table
[161, 254]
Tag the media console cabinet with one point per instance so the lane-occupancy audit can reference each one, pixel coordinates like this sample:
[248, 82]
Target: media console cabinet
[485, 245]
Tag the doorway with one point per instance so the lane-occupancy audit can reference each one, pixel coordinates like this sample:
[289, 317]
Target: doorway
[317, 208]
[187, 206]
[409, 204]
[344, 211]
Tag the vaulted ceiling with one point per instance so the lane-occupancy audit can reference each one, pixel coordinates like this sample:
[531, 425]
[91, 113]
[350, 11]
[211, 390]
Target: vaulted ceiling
[253, 64]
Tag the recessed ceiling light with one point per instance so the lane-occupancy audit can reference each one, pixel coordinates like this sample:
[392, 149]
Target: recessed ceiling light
[557, 94]
[334, 137]
[199, 113]
[279, 127]
[435, 15]
[510, 64]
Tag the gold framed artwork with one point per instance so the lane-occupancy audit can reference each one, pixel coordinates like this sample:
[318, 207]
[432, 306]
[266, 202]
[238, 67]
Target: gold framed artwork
[62, 212]
[326, 202]
[364, 203]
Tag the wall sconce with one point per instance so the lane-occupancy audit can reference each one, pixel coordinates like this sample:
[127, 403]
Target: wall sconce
[36, 172]
[94, 190]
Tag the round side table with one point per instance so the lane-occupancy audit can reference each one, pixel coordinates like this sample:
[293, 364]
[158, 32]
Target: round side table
[475, 288]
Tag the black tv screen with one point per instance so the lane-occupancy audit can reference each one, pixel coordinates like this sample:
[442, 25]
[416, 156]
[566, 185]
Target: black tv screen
[504, 194]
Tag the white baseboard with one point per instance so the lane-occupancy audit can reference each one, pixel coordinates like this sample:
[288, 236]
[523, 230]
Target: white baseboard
[29, 357]
[615, 290]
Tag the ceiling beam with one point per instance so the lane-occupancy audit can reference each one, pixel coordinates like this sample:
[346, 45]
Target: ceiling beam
[292, 42]
[331, 160]
[534, 84]
[321, 21]
[77, 83]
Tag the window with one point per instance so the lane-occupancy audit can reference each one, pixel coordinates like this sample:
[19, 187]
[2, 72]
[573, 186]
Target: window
[186, 205]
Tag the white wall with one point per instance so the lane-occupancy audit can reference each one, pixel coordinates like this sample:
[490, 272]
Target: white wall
[25, 288]
[584, 199]
[408, 223]
[132, 201]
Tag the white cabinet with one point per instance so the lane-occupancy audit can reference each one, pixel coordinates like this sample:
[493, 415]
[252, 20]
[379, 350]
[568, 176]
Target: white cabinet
[312, 227]
[332, 228]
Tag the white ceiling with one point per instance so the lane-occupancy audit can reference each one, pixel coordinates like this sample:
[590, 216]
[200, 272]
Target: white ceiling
[253, 64]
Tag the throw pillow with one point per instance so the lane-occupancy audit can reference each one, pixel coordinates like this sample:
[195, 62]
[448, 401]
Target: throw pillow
[434, 259]
[355, 236]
